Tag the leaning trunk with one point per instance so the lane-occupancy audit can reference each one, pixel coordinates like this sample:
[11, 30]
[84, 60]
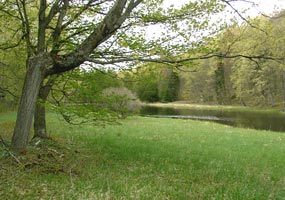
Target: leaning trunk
[33, 79]
[40, 110]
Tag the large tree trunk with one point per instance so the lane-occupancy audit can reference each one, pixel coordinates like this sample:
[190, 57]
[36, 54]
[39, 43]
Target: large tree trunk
[283, 86]
[40, 110]
[33, 79]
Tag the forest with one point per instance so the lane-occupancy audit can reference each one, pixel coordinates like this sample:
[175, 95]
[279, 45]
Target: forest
[224, 80]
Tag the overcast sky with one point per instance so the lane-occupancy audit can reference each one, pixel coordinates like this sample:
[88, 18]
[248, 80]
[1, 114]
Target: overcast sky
[262, 6]
[252, 8]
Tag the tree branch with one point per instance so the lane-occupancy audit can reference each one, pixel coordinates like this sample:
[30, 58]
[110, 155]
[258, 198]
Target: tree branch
[58, 28]
[21, 5]
[104, 30]
[84, 8]
[179, 61]
[42, 26]
[241, 16]
[53, 11]
[4, 90]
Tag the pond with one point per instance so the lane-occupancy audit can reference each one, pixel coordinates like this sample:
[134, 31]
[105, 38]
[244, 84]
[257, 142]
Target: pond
[274, 121]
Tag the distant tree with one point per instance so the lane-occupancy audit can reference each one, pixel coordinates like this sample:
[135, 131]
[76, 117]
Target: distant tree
[145, 84]
[168, 85]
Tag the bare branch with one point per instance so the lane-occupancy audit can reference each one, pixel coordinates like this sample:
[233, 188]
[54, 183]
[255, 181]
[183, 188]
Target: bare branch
[53, 11]
[6, 148]
[21, 5]
[5, 90]
[10, 14]
[58, 28]
[4, 47]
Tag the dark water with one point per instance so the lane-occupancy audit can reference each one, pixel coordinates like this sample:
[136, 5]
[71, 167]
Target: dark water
[274, 121]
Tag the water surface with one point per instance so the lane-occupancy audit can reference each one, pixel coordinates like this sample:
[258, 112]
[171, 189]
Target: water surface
[274, 121]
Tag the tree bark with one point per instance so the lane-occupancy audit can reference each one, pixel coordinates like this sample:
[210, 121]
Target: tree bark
[283, 86]
[40, 120]
[40, 130]
[35, 73]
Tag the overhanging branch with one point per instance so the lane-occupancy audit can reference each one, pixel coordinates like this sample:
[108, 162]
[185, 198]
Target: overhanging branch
[110, 61]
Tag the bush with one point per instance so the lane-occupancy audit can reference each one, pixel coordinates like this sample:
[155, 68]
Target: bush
[121, 100]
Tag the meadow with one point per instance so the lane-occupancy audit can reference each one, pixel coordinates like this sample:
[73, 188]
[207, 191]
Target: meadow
[145, 158]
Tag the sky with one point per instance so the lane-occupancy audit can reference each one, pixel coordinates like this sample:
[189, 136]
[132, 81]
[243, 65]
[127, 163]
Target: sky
[261, 6]
[247, 8]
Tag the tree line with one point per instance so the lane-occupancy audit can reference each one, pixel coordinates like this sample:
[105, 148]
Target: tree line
[242, 80]
[233, 78]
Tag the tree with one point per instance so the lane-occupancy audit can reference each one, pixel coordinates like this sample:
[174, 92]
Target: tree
[46, 59]
[144, 82]
[168, 85]
[198, 84]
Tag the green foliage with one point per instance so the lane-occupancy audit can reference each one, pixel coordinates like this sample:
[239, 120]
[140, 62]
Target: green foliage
[7, 105]
[121, 100]
[168, 85]
[260, 83]
[199, 86]
[245, 80]
[145, 84]
[155, 83]
[12, 69]
[79, 97]
[13, 55]
[220, 83]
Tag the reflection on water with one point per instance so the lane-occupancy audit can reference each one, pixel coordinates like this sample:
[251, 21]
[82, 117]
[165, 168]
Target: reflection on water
[274, 121]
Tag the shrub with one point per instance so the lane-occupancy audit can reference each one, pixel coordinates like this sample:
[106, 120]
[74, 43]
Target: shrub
[121, 100]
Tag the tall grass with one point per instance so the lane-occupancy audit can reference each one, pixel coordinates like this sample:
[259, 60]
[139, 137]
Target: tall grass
[147, 158]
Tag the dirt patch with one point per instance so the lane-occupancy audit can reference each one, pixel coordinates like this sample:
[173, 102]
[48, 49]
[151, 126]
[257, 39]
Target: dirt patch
[43, 157]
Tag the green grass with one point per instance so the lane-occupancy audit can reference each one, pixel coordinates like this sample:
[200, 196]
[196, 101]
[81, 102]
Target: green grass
[150, 158]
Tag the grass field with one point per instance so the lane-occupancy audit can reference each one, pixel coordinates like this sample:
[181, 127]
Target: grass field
[146, 158]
